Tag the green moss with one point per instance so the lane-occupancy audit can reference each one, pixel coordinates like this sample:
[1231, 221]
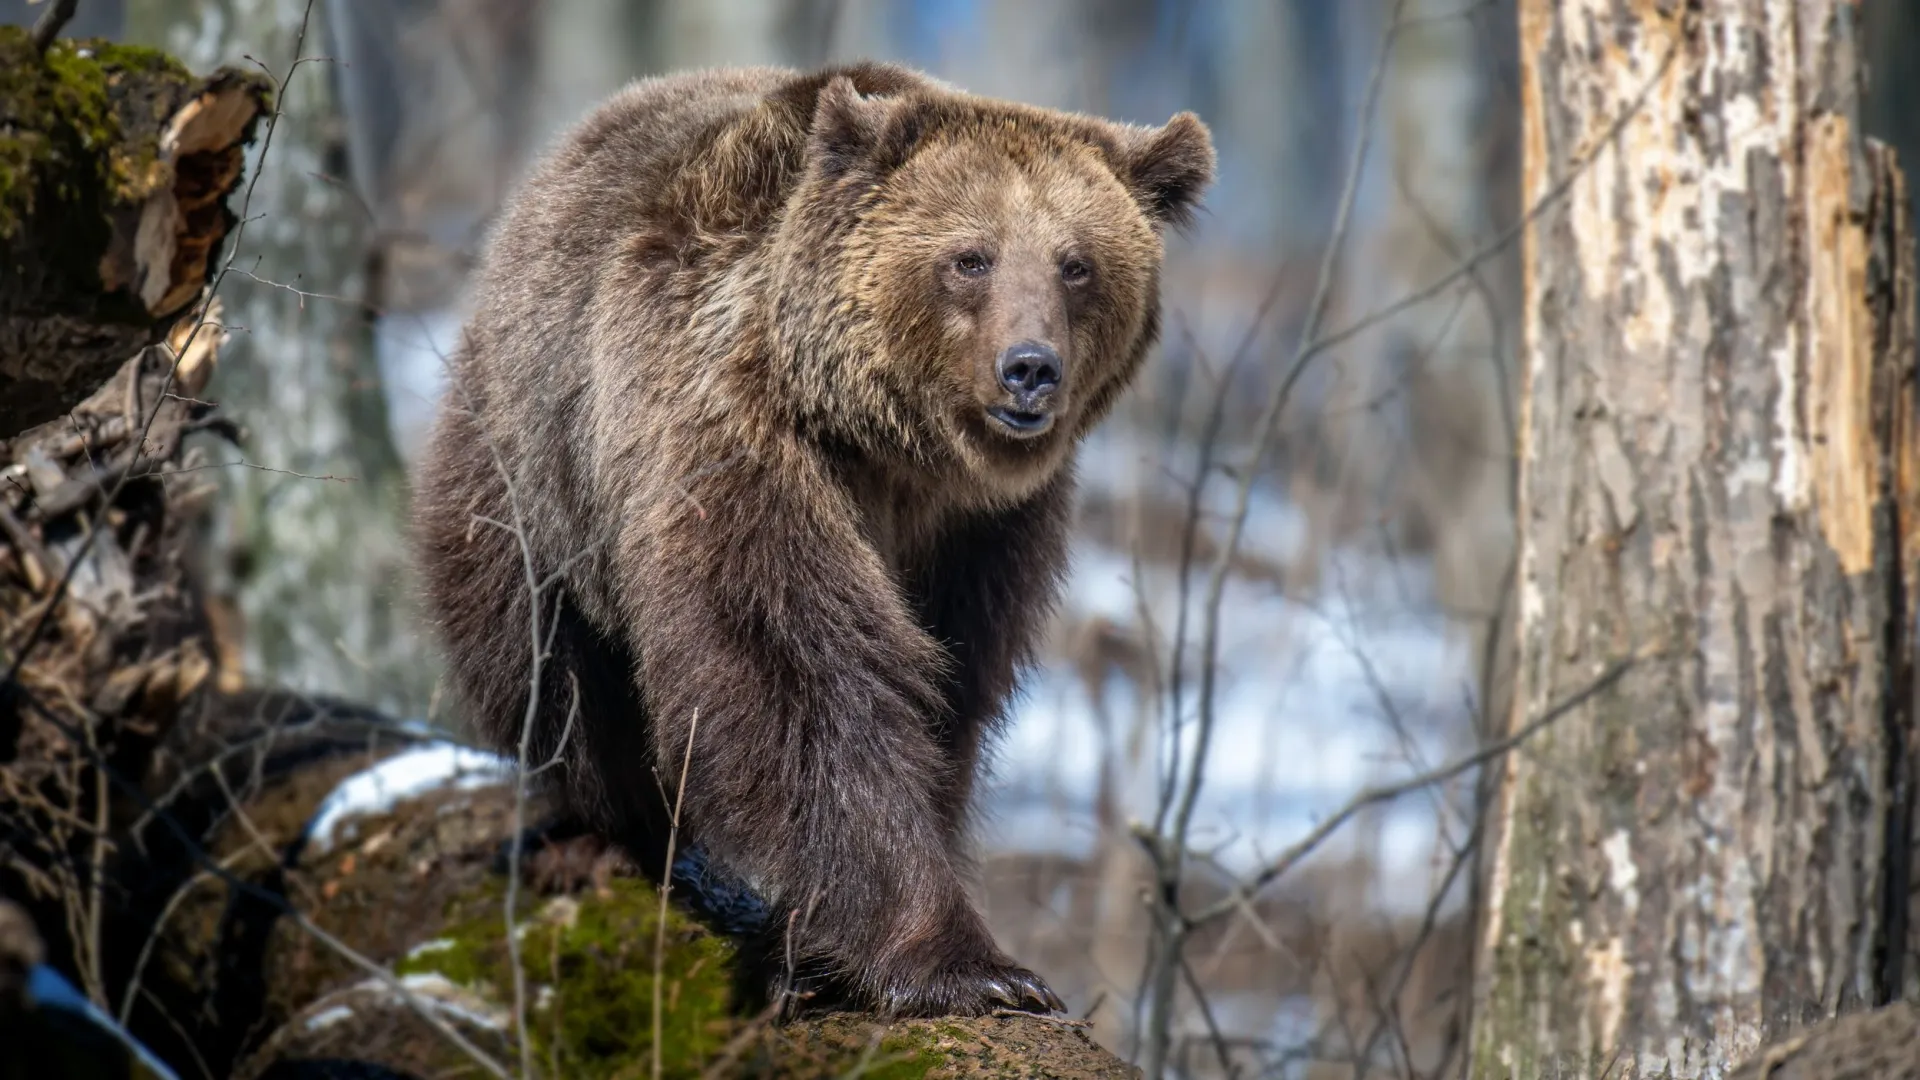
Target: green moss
[462, 960]
[909, 1055]
[589, 968]
[59, 114]
[590, 974]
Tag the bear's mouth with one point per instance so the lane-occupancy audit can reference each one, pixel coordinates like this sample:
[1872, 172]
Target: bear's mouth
[1021, 425]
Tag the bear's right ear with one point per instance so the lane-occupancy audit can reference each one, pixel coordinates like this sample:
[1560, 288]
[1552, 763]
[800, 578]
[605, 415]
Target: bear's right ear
[1169, 167]
[847, 126]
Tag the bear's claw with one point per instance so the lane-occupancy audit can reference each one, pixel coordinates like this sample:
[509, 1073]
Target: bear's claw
[1025, 991]
[972, 991]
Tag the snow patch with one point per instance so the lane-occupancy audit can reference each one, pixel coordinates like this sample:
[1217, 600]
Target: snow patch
[409, 774]
[328, 1017]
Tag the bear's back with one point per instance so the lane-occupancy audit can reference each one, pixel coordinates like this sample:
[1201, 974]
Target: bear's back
[627, 225]
[670, 170]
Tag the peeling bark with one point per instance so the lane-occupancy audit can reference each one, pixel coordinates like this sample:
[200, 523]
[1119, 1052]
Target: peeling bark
[115, 167]
[1719, 469]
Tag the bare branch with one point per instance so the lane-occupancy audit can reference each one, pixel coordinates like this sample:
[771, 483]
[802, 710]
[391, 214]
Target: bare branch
[666, 888]
[1387, 792]
[51, 22]
[1169, 857]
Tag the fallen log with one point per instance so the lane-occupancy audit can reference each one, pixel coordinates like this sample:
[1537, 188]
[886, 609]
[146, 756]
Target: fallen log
[418, 890]
[116, 164]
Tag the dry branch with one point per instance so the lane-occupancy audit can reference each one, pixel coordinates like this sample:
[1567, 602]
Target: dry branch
[101, 630]
[126, 636]
[115, 167]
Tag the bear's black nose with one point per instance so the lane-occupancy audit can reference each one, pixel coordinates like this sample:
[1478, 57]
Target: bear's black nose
[1029, 368]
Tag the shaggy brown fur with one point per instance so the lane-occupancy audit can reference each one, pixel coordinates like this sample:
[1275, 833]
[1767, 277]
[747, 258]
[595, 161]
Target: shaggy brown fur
[737, 373]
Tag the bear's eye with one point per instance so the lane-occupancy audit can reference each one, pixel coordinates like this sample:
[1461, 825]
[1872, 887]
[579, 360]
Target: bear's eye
[1075, 271]
[972, 264]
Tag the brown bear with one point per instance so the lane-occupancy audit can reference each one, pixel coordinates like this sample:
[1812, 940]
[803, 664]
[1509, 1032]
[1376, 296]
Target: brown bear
[770, 397]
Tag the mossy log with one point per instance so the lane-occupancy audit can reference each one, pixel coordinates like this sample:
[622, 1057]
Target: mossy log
[116, 164]
[420, 890]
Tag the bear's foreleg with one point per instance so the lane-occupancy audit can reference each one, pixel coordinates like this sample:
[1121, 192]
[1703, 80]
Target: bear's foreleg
[773, 643]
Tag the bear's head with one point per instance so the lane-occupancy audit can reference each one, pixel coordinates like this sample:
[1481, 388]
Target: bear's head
[966, 285]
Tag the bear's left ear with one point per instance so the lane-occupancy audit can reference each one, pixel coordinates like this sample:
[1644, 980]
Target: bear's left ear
[851, 129]
[1168, 168]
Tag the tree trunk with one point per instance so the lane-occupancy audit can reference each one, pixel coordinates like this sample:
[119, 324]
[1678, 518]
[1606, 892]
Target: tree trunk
[115, 167]
[307, 551]
[1721, 473]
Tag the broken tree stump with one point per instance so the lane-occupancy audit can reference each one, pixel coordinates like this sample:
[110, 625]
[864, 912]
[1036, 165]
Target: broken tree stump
[103, 641]
[116, 164]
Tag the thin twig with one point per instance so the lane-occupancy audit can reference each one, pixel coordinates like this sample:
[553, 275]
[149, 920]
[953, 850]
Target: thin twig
[559, 755]
[1549, 199]
[1387, 792]
[738, 1044]
[1169, 857]
[666, 888]
[868, 1056]
[1463, 858]
[1206, 1015]
[160, 1009]
[159, 925]
[517, 845]
[51, 22]
[96, 882]
[262, 742]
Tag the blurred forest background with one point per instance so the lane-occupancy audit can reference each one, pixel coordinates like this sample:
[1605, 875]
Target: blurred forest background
[1362, 619]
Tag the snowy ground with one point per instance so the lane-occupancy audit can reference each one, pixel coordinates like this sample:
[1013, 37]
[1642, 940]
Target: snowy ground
[1299, 727]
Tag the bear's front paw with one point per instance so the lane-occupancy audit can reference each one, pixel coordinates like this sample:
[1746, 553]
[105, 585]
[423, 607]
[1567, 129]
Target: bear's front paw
[970, 989]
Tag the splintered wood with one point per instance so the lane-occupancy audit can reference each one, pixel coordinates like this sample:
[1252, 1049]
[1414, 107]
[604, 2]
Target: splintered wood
[98, 610]
[116, 167]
